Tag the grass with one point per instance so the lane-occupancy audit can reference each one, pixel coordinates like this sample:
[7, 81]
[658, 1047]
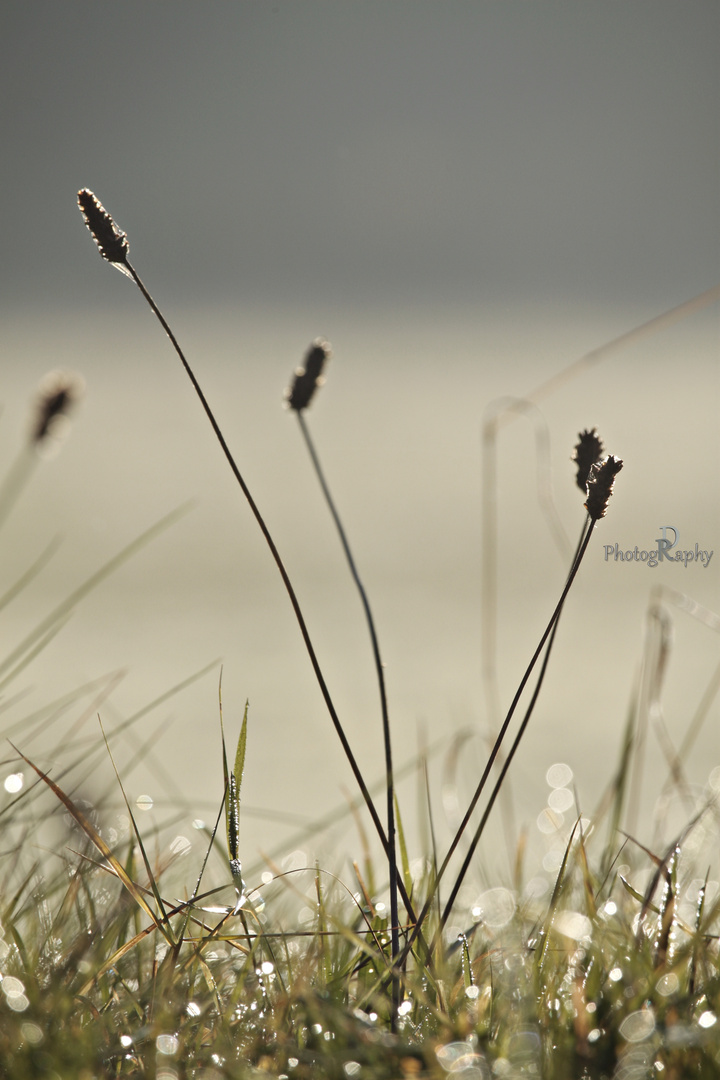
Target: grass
[119, 959]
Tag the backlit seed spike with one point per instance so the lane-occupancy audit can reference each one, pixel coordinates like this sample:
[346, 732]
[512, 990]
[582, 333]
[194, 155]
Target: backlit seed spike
[587, 452]
[112, 242]
[308, 377]
[600, 486]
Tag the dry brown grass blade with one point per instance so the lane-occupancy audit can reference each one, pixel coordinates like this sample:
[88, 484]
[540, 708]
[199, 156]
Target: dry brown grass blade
[93, 835]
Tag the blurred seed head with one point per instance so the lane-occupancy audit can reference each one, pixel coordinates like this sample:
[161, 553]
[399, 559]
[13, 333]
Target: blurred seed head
[587, 452]
[308, 377]
[112, 242]
[58, 394]
[600, 486]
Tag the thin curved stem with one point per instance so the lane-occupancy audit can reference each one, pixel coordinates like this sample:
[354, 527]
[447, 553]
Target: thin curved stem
[390, 786]
[493, 754]
[276, 556]
[506, 764]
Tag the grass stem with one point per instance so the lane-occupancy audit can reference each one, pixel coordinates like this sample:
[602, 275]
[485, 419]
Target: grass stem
[496, 748]
[275, 554]
[390, 786]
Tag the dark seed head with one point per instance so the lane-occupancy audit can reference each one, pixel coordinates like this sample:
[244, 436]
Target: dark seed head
[600, 486]
[112, 242]
[59, 393]
[309, 376]
[587, 452]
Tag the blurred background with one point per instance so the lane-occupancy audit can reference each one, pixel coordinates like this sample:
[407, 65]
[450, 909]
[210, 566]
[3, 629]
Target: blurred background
[464, 200]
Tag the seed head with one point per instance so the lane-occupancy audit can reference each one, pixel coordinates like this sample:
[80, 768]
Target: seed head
[587, 452]
[112, 242]
[59, 392]
[309, 376]
[600, 486]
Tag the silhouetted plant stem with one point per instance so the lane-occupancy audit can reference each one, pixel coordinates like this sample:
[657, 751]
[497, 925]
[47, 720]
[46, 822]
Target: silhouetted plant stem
[511, 754]
[113, 246]
[501, 735]
[390, 787]
[275, 554]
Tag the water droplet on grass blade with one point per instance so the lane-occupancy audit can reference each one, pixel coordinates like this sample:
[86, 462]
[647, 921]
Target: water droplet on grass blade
[14, 782]
[144, 802]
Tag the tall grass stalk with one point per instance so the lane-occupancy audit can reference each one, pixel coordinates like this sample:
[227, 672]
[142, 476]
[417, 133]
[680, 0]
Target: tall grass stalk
[113, 246]
[299, 396]
[599, 479]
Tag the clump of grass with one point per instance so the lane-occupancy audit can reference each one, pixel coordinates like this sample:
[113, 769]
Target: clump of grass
[107, 973]
[116, 961]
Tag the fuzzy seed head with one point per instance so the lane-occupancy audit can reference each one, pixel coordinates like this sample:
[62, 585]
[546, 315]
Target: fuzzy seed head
[112, 242]
[58, 394]
[587, 452]
[309, 376]
[600, 486]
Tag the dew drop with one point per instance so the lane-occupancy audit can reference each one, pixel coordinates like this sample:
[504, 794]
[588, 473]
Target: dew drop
[560, 799]
[668, 984]
[14, 782]
[559, 775]
[496, 907]
[32, 1033]
[548, 821]
[167, 1044]
[638, 1025]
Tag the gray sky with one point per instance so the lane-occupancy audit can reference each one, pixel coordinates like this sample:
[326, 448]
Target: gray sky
[298, 151]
